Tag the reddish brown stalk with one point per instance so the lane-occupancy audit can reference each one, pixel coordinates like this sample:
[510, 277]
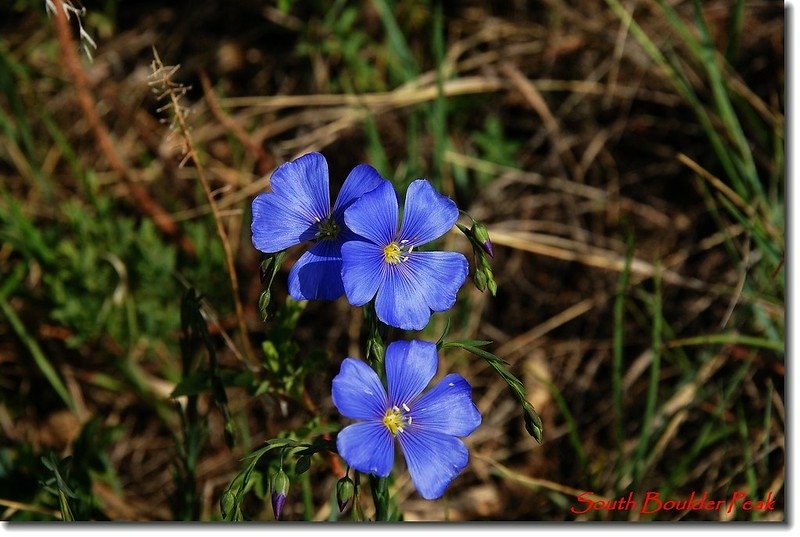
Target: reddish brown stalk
[163, 221]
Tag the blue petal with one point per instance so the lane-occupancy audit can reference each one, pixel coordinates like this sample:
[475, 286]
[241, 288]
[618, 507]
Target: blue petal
[278, 224]
[362, 270]
[317, 275]
[374, 215]
[410, 366]
[358, 393]
[446, 408]
[303, 182]
[434, 459]
[400, 300]
[439, 276]
[361, 179]
[427, 215]
[424, 281]
[368, 447]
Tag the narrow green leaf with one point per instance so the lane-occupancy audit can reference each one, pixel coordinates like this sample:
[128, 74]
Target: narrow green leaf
[655, 373]
[618, 341]
[729, 339]
[39, 358]
[533, 423]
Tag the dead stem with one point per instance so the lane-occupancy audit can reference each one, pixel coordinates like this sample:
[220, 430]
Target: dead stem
[161, 81]
[145, 202]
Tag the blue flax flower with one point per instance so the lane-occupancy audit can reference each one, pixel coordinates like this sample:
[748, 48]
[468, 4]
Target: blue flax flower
[409, 283]
[298, 209]
[426, 425]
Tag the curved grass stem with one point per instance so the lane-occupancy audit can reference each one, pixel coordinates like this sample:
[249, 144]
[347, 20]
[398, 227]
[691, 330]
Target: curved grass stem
[162, 77]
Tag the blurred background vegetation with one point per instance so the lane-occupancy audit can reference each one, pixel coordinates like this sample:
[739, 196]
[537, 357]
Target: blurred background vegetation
[627, 156]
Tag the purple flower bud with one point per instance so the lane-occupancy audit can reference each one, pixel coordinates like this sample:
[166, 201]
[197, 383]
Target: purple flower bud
[278, 501]
[345, 488]
[280, 486]
[488, 247]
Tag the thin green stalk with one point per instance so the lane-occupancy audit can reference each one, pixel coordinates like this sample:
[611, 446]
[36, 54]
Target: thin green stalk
[375, 348]
[308, 497]
[685, 89]
[41, 360]
[706, 55]
[735, 23]
[380, 496]
[616, 366]
[723, 103]
[397, 41]
[655, 373]
[749, 466]
[677, 356]
[767, 425]
[729, 339]
[375, 151]
[572, 427]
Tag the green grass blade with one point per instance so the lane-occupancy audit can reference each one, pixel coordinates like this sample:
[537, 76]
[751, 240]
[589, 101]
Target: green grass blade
[397, 41]
[655, 374]
[723, 104]
[618, 341]
[749, 464]
[41, 360]
[375, 151]
[735, 24]
[767, 426]
[572, 426]
[684, 88]
[729, 339]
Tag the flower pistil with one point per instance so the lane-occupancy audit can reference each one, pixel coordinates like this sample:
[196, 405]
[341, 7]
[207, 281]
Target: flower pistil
[395, 420]
[327, 229]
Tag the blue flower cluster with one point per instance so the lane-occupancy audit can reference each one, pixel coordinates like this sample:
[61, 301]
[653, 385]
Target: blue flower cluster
[362, 249]
[358, 248]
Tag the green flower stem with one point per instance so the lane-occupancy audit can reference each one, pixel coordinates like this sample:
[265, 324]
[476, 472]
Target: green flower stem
[375, 354]
[380, 495]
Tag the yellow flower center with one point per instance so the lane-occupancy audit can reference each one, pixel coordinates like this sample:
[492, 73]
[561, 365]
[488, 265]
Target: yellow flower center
[397, 252]
[391, 253]
[395, 420]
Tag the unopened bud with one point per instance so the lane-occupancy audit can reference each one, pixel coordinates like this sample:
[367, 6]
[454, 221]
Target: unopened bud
[376, 347]
[263, 304]
[344, 492]
[484, 265]
[533, 423]
[492, 285]
[481, 234]
[480, 280]
[280, 486]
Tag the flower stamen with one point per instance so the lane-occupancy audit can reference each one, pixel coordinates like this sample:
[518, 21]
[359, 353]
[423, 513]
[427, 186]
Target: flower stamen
[395, 420]
[395, 252]
[391, 253]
